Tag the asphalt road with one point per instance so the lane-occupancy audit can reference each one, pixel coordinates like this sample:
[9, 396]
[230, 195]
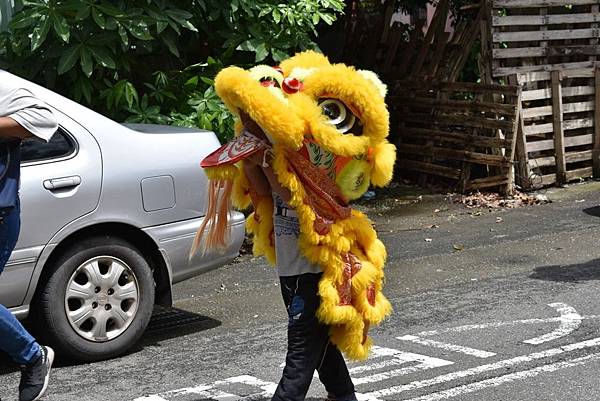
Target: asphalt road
[489, 305]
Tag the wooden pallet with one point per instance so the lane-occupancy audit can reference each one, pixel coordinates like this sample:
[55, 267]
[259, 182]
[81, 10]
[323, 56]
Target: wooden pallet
[550, 48]
[558, 139]
[543, 35]
[458, 132]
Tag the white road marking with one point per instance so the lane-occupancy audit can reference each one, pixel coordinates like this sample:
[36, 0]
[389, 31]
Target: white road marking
[448, 347]
[423, 363]
[210, 391]
[497, 381]
[469, 327]
[376, 395]
[569, 322]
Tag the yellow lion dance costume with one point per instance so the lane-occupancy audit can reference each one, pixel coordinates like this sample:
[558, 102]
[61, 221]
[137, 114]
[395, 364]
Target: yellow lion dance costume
[325, 127]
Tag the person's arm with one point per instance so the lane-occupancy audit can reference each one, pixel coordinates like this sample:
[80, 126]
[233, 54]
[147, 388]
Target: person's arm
[258, 181]
[10, 129]
[263, 179]
[283, 193]
[25, 116]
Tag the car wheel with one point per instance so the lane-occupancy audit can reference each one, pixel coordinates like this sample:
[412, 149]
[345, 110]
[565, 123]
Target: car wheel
[98, 299]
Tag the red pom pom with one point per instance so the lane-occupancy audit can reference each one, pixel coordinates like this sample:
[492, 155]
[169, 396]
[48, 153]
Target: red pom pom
[292, 85]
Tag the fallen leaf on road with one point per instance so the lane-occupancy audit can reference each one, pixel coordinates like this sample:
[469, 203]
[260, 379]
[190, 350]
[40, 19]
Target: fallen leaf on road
[499, 220]
[458, 247]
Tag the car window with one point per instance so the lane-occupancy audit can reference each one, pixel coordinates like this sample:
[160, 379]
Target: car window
[60, 145]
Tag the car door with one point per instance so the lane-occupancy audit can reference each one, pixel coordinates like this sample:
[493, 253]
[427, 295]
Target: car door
[60, 182]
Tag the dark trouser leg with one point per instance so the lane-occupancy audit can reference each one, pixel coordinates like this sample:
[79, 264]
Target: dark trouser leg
[308, 341]
[334, 375]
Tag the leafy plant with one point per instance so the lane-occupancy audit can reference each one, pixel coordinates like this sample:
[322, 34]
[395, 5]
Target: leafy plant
[155, 60]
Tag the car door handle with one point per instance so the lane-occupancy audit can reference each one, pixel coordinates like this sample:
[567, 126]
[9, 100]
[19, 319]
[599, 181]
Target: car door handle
[65, 182]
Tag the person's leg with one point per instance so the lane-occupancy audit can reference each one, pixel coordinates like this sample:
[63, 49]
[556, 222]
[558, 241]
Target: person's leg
[35, 361]
[14, 339]
[334, 375]
[307, 338]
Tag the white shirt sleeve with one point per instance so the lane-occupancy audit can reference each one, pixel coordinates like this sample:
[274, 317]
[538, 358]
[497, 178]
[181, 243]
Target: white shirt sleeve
[30, 112]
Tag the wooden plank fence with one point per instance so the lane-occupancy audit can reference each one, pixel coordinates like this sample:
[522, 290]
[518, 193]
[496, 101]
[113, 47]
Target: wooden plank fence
[550, 49]
[559, 131]
[543, 35]
[450, 130]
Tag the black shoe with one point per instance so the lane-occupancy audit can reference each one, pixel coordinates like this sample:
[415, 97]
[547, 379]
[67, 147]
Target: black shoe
[35, 376]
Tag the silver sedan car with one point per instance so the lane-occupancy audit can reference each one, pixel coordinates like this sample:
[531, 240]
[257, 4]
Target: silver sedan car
[109, 213]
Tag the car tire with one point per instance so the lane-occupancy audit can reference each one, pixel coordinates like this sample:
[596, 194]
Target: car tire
[97, 300]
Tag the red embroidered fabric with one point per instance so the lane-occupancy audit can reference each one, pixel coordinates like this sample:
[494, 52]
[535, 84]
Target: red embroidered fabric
[323, 195]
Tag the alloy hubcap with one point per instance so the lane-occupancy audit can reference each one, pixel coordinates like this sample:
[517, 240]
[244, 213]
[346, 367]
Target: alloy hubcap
[102, 298]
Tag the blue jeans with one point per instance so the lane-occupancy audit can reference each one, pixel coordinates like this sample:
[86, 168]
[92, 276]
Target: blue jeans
[14, 339]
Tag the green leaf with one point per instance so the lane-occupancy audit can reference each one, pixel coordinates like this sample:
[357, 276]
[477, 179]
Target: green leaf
[279, 55]
[276, 16]
[169, 40]
[24, 19]
[87, 64]
[103, 57]
[161, 26]
[139, 30]
[123, 35]
[191, 83]
[40, 33]
[261, 52]
[182, 18]
[131, 95]
[327, 18]
[250, 45]
[111, 10]
[83, 13]
[68, 59]
[207, 81]
[98, 18]
[61, 27]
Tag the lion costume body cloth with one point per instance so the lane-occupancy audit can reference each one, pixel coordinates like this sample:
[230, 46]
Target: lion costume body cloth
[322, 127]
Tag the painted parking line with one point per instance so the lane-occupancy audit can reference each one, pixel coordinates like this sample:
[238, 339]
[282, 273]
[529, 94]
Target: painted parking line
[569, 320]
[448, 347]
[417, 363]
[391, 391]
[211, 391]
[497, 381]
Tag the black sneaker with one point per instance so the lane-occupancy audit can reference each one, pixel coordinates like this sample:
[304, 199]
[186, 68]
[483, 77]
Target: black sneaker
[35, 376]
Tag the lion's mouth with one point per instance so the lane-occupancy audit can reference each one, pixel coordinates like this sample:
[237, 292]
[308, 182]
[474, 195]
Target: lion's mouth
[253, 128]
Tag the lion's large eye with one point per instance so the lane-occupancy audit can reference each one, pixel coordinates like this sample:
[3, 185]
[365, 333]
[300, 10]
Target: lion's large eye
[339, 115]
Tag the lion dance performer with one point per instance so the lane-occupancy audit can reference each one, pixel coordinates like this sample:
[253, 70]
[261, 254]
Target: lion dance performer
[316, 134]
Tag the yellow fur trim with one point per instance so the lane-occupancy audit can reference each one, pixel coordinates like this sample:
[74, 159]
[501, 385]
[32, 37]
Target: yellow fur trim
[383, 159]
[240, 194]
[259, 72]
[374, 79]
[260, 225]
[240, 91]
[308, 59]
[226, 172]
